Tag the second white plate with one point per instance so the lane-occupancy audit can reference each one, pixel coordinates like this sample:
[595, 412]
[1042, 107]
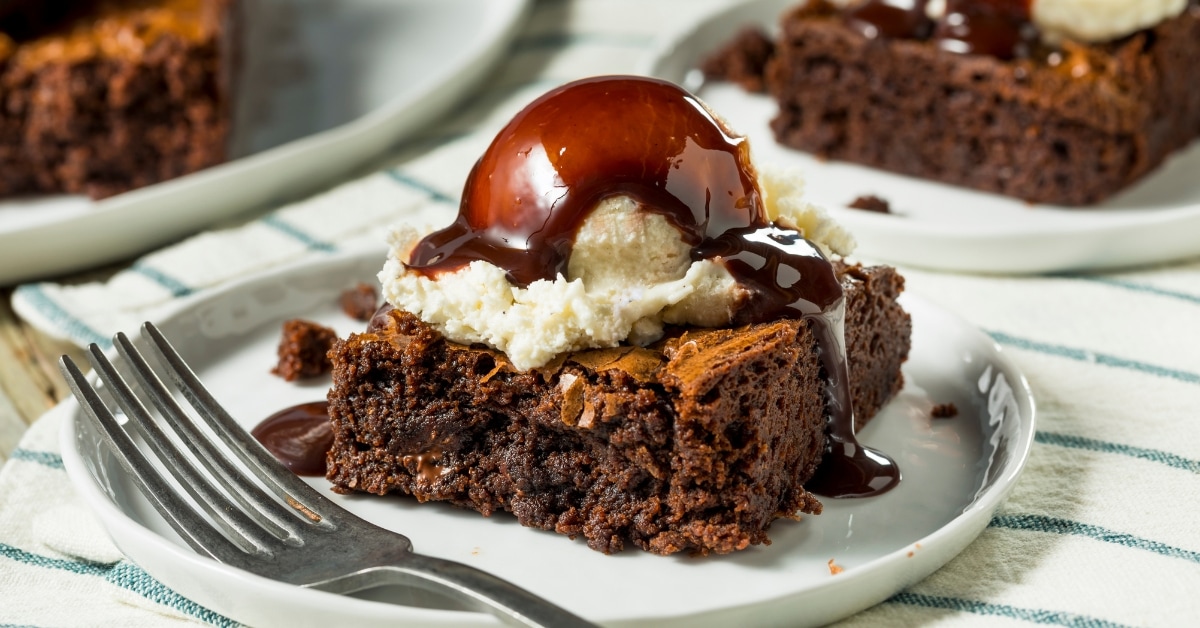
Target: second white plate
[956, 472]
[940, 226]
[324, 87]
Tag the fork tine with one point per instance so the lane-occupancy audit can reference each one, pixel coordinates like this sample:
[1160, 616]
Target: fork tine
[278, 478]
[226, 515]
[255, 502]
[197, 531]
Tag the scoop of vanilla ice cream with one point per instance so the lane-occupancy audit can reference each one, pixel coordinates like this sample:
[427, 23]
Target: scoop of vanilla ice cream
[1100, 20]
[630, 272]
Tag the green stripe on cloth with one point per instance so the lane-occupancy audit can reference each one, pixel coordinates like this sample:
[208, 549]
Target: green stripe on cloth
[554, 41]
[45, 458]
[296, 233]
[37, 560]
[1032, 615]
[61, 317]
[1136, 287]
[1153, 455]
[177, 287]
[1054, 525]
[1084, 355]
[420, 186]
[129, 576]
[125, 575]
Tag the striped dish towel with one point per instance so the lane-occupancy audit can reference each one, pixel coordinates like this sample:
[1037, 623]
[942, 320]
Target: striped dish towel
[1103, 528]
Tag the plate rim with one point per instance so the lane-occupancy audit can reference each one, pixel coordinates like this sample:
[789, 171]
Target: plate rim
[949, 539]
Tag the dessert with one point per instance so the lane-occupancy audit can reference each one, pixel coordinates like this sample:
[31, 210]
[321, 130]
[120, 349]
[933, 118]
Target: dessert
[624, 336]
[103, 96]
[303, 349]
[1049, 101]
[743, 60]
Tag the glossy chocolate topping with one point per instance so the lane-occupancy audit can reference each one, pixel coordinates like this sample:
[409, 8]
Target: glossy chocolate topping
[576, 146]
[892, 19]
[1000, 28]
[298, 436]
[653, 141]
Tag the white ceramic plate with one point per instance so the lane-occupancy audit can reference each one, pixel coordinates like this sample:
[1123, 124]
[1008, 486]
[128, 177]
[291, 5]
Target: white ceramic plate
[325, 86]
[955, 470]
[944, 227]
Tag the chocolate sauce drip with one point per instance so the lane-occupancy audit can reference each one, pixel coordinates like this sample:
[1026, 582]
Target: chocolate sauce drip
[1000, 28]
[651, 140]
[890, 19]
[848, 468]
[380, 319]
[298, 436]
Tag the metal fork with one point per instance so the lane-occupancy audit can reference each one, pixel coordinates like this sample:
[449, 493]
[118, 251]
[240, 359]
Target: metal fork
[301, 537]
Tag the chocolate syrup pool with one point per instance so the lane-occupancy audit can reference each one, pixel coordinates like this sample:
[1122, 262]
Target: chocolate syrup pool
[650, 140]
[298, 436]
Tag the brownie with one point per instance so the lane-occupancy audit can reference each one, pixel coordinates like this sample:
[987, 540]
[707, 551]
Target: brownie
[695, 443]
[871, 203]
[1070, 126]
[103, 96]
[743, 60]
[303, 349]
[359, 302]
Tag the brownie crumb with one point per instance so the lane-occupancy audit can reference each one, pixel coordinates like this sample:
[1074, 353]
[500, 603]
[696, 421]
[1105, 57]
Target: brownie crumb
[742, 61]
[944, 411]
[360, 302]
[872, 203]
[303, 348]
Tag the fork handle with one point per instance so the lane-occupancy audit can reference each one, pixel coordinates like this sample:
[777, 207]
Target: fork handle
[475, 588]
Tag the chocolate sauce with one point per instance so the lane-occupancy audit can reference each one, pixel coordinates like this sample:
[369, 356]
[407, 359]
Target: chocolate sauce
[574, 147]
[427, 463]
[27, 19]
[380, 319]
[1000, 28]
[651, 140]
[890, 19]
[298, 436]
